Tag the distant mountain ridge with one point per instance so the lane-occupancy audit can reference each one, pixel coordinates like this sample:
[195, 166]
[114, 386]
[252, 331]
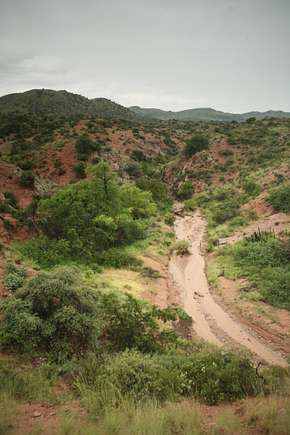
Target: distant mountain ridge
[66, 104]
[62, 103]
[204, 114]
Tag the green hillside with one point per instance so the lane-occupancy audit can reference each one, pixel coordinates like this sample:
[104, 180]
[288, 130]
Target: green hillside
[61, 103]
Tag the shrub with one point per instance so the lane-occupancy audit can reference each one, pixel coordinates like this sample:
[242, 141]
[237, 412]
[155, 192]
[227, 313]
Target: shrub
[90, 217]
[27, 179]
[185, 190]
[133, 324]
[279, 198]
[11, 199]
[80, 170]
[50, 313]
[148, 272]
[138, 155]
[251, 187]
[85, 146]
[14, 277]
[117, 257]
[264, 261]
[211, 376]
[229, 209]
[181, 247]
[46, 252]
[195, 144]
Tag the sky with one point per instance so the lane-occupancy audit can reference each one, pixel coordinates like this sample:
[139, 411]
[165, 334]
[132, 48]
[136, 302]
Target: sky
[232, 55]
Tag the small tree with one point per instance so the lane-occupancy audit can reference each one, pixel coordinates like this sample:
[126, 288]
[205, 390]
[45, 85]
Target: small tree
[27, 179]
[79, 170]
[197, 143]
[85, 146]
[185, 190]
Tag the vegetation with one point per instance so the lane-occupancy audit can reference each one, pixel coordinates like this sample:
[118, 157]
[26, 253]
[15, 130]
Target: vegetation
[69, 333]
[14, 277]
[196, 144]
[85, 219]
[181, 247]
[264, 260]
[85, 146]
[280, 198]
[27, 179]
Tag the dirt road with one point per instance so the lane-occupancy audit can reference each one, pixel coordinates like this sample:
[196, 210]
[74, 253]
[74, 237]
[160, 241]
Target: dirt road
[210, 321]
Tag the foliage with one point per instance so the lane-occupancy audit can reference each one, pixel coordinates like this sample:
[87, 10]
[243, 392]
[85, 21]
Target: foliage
[133, 324]
[85, 146]
[24, 384]
[185, 190]
[50, 313]
[148, 272]
[79, 170]
[14, 277]
[46, 252]
[251, 187]
[27, 178]
[279, 198]
[181, 247]
[212, 376]
[11, 199]
[264, 261]
[196, 144]
[85, 219]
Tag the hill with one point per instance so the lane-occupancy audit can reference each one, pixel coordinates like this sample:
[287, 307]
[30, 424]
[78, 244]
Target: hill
[61, 103]
[205, 114]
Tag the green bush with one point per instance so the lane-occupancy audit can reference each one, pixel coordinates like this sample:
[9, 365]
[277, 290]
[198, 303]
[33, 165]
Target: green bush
[279, 198]
[181, 247]
[251, 187]
[211, 376]
[11, 199]
[46, 252]
[197, 143]
[50, 313]
[85, 146]
[27, 179]
[14, 277]
[84, 219]
[230, 208]
[185, 190]
[133, 324]
[118, 257]
[80, 170]
[264, 260]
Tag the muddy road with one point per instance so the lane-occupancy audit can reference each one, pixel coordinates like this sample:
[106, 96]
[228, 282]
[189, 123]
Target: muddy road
[210, 321]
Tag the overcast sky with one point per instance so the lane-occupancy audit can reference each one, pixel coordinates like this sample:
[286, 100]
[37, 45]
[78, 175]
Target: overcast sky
[232, 55]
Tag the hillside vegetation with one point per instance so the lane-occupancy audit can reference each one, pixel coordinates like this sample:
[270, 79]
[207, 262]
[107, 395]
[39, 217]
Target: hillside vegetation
[88, 346]
[61, 104]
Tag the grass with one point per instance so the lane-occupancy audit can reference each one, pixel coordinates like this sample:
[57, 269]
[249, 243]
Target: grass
[144, 419]
[223, 210]
[270, 415]
[111, 279]
[263, 261]
[8, 411]
[24, 382]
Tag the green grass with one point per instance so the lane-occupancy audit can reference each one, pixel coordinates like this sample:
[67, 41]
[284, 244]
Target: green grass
[144, 419]
[264, 261]
[8, 411]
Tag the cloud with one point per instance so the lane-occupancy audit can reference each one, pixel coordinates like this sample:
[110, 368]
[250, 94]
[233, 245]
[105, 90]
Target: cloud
[230, 55]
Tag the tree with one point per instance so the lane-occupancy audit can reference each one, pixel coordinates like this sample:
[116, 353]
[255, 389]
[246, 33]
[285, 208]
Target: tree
[27, 179]
[94, 215]
[85, 146]
[197, 143]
